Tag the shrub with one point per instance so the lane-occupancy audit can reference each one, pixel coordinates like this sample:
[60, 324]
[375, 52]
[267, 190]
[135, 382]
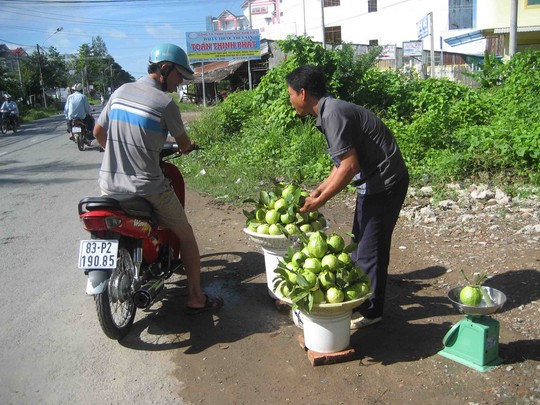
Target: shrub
[446, 131]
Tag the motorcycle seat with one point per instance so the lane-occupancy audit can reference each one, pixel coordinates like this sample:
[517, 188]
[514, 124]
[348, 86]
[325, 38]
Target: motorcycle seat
[132, 205]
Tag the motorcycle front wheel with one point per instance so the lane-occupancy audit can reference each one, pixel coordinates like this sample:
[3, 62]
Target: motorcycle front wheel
[114, 306]
[4, 126]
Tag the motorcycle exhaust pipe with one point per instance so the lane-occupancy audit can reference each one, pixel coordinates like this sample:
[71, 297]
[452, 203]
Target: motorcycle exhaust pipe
[143, 297]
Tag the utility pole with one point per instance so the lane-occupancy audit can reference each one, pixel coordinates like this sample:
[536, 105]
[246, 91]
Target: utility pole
[112, 89]
[40, 67]
[432, 51]
[322, 17]
[512, 49]
[20, 74]
[304, 12]
[249, 60]
[41, 77]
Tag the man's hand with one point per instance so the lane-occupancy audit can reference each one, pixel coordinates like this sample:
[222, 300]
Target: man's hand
[192, 146]
[312, 204]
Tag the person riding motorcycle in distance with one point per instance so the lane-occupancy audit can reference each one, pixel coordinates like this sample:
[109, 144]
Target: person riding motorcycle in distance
[132, 128]
[77, 106]
[11, 106]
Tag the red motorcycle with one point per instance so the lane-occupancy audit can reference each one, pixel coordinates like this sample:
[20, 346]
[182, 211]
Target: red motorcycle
[128, 257]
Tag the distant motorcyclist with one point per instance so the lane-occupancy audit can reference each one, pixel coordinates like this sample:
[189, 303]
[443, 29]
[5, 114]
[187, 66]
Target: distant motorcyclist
[77, 106]
[11, 106]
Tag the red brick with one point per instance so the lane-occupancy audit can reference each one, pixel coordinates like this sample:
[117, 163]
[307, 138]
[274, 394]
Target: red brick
[320, 359]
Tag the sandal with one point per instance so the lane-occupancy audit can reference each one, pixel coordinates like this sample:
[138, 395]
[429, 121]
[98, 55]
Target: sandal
[212, 304]
[361, 322]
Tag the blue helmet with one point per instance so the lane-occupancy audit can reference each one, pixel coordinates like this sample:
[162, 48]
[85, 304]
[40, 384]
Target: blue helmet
[175, 54]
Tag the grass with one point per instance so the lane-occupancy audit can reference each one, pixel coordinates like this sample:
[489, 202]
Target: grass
[227, 183]
[32, 114]
[38, 113]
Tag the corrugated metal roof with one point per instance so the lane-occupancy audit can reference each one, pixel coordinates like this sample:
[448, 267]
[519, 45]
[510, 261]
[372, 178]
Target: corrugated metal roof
[216, 71]
[506, 30]
[465, 38]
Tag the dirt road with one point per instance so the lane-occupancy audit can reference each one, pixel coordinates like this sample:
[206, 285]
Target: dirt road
[249, 352]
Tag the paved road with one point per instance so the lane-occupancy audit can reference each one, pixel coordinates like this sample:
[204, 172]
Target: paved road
[51, 347]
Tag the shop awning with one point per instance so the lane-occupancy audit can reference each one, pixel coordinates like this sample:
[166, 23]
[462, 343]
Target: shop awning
[506, 30]
[465, 38]
[217, 71]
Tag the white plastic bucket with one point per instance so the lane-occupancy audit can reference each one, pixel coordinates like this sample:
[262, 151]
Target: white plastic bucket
[272, 257]
[327, 332]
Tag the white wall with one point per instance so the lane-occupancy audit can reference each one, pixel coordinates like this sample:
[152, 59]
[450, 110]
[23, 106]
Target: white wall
[496, 14]
[393, 23]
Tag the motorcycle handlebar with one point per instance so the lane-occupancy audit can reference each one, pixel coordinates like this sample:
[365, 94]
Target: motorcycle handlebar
[170, 148]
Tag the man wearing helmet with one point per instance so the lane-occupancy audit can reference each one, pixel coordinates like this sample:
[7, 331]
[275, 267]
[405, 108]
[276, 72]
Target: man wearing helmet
[77, 107]
[11, 106]
[132, 129]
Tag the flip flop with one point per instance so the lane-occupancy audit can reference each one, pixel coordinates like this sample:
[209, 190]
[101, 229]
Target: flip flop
[212, 304]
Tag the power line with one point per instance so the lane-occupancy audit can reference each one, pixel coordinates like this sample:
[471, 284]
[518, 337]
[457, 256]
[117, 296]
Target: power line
[81, 1]
[93, 21]
[14, 43]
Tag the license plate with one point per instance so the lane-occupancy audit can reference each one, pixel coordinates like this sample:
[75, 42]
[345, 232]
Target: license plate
[98, 254]
[76, 130]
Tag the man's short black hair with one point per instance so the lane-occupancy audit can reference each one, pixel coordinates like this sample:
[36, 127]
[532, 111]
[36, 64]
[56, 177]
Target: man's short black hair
[310, 78]
[154, 68]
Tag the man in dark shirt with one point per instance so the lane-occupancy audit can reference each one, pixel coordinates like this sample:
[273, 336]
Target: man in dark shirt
[365, 152]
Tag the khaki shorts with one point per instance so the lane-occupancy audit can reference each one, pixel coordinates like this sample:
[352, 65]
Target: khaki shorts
[169, 211]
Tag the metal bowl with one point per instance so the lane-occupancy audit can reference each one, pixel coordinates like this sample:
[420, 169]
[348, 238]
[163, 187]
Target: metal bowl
[495, 300]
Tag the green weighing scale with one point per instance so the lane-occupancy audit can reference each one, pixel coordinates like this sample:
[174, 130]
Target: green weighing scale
[474, 341]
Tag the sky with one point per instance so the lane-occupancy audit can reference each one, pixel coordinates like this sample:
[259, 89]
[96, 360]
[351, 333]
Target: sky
[129, 28]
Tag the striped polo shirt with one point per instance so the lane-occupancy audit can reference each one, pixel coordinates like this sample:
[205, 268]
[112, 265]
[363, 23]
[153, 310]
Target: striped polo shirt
[138, 118]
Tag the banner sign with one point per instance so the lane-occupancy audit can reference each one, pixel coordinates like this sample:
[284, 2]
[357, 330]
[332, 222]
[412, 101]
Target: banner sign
[422, 27]
[388, 52]
[413, 48]
[211, 46]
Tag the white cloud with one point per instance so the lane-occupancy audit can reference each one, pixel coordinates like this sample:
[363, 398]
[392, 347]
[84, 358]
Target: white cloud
[163, 31]
[116, 34]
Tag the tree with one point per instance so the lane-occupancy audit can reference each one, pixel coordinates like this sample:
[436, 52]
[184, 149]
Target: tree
[46, 64]
[9, 83]
[55, 69]
[98, 47]
[30, 74]
[97, 68]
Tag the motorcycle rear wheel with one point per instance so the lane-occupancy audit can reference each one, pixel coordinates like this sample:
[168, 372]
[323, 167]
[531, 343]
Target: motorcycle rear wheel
[114, 306]
[80, 141]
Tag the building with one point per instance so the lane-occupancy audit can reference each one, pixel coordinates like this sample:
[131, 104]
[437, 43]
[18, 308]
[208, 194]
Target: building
[10, 58]
[262, 13]
[459, 26]
[451, 35]
[227, 21]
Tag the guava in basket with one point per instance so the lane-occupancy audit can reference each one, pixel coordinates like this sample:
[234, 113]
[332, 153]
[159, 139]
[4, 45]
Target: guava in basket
[280, 207]
[311, 277]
